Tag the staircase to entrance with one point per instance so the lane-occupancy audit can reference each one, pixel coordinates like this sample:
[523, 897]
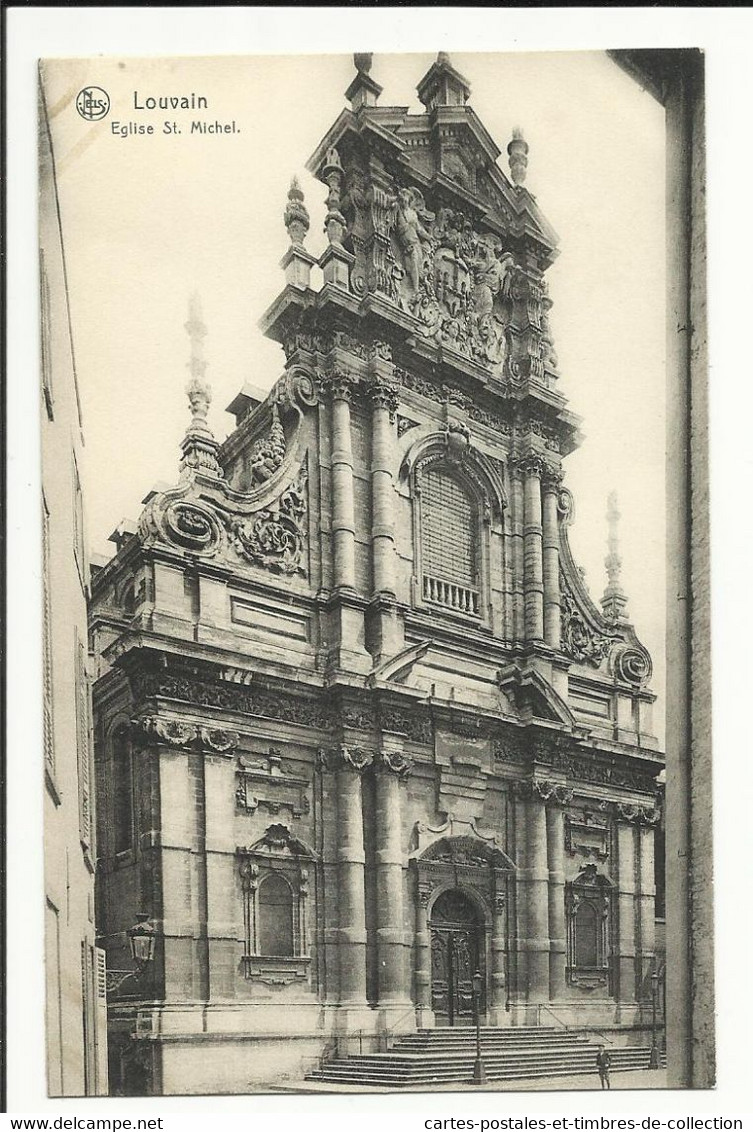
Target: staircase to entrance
[446, 1055]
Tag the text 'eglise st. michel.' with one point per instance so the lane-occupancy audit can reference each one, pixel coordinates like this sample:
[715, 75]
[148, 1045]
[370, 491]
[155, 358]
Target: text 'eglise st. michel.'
[367, 749]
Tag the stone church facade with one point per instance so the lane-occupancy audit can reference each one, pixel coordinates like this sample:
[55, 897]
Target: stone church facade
[360, 729]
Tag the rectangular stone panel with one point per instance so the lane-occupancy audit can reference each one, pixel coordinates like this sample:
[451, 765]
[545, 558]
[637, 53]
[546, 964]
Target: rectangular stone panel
[266, 622]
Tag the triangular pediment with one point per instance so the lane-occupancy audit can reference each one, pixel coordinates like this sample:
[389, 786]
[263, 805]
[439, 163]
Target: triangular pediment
[534, 696]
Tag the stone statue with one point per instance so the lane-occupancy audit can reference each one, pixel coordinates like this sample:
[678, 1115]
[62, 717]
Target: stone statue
[411, 233]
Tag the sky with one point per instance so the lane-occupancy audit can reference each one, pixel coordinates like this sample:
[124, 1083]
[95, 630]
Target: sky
[148, 219]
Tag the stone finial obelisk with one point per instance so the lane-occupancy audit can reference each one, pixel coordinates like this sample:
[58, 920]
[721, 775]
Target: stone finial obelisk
[296, 215]
[614, 601]
[198, 446]
[363, 91]
[517, 152]
[298, 260]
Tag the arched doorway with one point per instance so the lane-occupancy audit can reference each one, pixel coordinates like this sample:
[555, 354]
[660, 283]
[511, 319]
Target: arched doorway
[456, 953]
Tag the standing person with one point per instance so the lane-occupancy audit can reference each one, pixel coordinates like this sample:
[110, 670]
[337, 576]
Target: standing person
[603, 1062]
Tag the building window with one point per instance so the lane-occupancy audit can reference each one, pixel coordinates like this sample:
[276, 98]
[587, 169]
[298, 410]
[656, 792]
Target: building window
[449, 543]
[589, 901]
[122, 792]
[586, 933]
[275, 916]
[275, 877]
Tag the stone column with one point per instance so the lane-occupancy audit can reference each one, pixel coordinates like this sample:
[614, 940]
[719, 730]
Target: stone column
[384, 626]
[350, 876]
[389, 879]
[538, 901]
[555, 849]
[424, 1012]
[551, 559]
[383, 407]
[498, 1006]
[222, 912]
[533, 551]
[521, 896]
[646, 904]
[518, 558]
[626, 911]
[343, 514]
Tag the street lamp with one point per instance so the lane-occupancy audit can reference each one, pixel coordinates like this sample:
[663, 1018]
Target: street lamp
[479, 1073]
[141, 941]
[653, 1062]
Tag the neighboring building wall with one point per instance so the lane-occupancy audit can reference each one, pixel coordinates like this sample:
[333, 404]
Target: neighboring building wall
[75, 977]
[676, 79]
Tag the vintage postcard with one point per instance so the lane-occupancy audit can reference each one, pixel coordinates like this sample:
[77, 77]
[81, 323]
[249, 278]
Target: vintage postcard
[368, 750]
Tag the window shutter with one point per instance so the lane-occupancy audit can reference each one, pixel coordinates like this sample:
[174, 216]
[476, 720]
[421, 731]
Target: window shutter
[100, 1021]
[86, 1009]
[82, 742]
[448, 529]
[100, 957]
[449, 543]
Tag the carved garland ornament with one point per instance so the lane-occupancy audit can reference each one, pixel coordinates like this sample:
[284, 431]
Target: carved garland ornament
[553, 793]
[275, 538]
[396, 762]
[178, 733]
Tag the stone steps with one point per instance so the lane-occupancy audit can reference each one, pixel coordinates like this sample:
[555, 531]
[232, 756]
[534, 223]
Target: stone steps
[433, 1056]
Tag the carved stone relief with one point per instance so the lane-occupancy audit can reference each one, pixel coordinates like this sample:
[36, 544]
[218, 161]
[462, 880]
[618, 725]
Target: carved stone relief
[275, 537]
[587, 835]
[235, 697]
[268, 786]
[268, 452]
[579, 639]
[455, 280]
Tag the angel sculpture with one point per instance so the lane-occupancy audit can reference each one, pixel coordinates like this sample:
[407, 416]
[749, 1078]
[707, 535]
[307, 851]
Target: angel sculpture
[492, 270]
[268, 452]
[410, 232]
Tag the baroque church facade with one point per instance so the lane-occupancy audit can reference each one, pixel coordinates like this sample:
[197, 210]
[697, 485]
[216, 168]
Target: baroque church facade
[360, 730]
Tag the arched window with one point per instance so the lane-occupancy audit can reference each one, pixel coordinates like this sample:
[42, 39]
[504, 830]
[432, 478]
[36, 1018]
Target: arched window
[449, 542]
[589, 923]
[275, 916]
[122, 792]
[275, 875]
[586, 935]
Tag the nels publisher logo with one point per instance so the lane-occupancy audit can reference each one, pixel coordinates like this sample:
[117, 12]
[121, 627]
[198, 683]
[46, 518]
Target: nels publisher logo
[92, 103]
